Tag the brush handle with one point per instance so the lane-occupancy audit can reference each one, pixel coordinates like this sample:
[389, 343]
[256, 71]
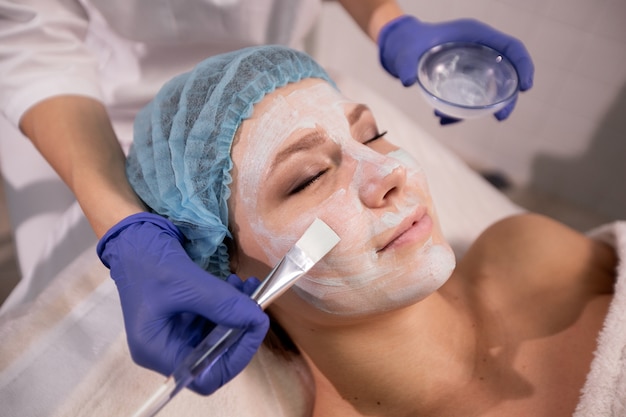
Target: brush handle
[199, 360]
[203, 356]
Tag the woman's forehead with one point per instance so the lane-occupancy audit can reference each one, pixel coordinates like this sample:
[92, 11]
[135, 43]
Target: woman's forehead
[307, 92]
[306, 104]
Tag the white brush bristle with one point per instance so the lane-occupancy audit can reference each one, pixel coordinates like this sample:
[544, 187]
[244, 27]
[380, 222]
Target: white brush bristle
[318, 240]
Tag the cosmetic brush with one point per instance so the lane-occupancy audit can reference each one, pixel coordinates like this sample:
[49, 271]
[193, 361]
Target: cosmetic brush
[314, 244]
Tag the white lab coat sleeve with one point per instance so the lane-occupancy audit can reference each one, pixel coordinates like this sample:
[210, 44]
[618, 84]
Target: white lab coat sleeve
[43, 54]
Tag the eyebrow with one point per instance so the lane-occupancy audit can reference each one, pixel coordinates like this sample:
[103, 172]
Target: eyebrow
[313, 139]
[356, 112]
[307, 142]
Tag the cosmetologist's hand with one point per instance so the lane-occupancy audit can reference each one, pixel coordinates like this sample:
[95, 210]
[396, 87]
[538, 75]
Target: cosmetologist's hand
[170, 304]
[403, 40]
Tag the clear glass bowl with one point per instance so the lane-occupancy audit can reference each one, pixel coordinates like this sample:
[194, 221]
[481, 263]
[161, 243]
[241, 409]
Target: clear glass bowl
[466, 80]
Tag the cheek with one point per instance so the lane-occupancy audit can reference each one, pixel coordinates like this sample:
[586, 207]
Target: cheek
[341, 210]
[276, 227]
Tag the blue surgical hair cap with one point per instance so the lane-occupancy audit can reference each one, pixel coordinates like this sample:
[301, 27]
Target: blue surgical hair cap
[179, 163]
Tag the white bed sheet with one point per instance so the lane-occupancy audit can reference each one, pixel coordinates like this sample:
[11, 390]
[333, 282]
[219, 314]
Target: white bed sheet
[65, 354]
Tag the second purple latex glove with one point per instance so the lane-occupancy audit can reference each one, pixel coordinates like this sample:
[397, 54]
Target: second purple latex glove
[402, 42]
[170, 304]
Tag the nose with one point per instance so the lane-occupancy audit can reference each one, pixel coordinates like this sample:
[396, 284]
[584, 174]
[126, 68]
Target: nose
[382, 182]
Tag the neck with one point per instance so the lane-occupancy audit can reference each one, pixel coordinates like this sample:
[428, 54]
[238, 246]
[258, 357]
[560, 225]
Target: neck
[412, 359]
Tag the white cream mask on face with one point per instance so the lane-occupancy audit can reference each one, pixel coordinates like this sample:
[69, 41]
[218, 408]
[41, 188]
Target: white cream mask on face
[356, 278]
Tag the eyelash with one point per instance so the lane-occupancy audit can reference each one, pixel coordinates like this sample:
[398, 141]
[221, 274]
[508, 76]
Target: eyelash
[306, 183]
[378, 136]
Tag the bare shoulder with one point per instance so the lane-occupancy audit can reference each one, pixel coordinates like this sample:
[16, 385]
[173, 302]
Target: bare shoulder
[534, 247]
[539, 291]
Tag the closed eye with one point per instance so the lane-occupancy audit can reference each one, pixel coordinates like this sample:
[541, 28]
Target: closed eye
[378, 136]
[307, 182]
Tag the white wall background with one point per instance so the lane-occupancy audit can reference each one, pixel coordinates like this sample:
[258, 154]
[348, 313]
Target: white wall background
[567, 136]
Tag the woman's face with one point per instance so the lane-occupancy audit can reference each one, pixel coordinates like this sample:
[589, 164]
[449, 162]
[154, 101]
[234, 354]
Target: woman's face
[307, 152]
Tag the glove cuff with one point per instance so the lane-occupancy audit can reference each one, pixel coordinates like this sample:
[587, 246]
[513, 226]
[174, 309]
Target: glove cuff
[143, 217]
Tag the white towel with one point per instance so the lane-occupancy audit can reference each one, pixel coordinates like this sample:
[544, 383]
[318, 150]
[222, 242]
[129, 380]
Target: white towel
[604, 392]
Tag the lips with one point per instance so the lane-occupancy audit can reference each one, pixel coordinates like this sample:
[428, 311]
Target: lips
[413, 229]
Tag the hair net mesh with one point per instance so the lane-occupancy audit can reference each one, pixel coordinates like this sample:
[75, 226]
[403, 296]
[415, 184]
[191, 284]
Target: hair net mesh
[179, 163]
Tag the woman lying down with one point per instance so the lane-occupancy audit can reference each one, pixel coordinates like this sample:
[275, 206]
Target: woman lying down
[260, 143]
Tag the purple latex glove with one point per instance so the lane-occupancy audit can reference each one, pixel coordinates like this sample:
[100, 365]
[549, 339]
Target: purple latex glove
[403, 41]
[170, 304]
